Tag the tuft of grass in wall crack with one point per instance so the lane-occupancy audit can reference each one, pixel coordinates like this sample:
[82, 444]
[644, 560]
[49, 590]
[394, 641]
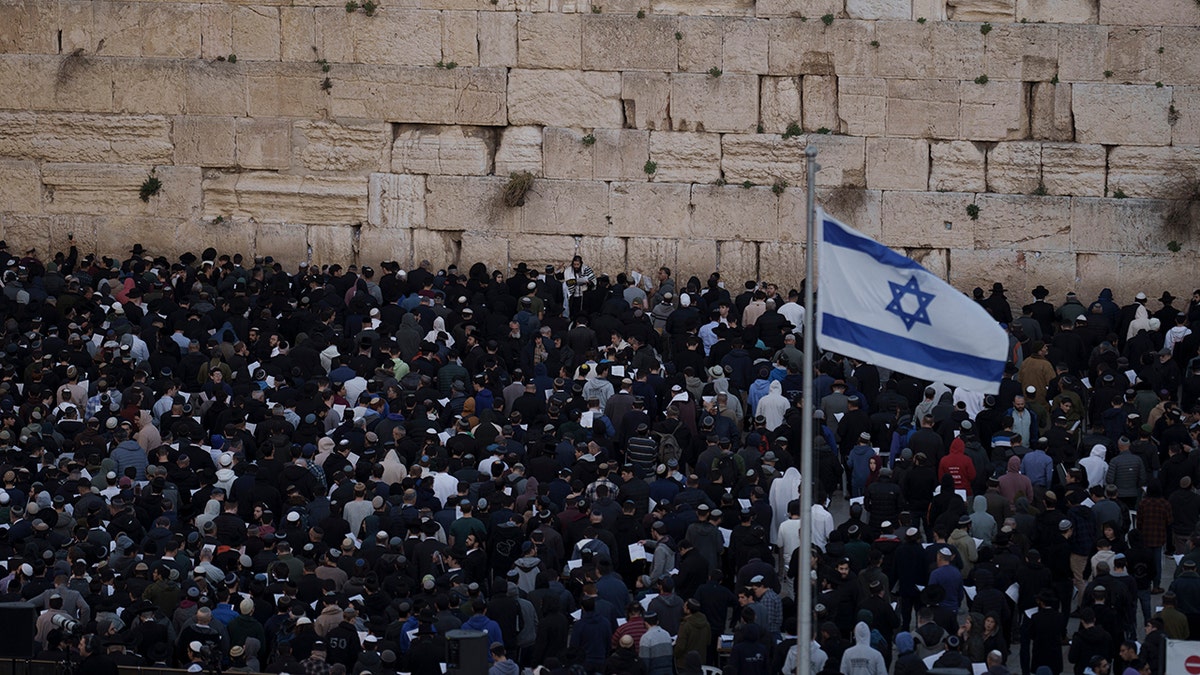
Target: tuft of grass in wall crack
[746, 185]
[641, 14]
[324, 65]
[1174, 246]
[596, 9]
[827, 19]
[351, 7]
[985, 28]
[973, 211]
[792, 131]
[982, 79]
[1159, 85]
[874, 43]
[714, 72]
[921, 19]
[1040, 190]
[1054, 80]
[326, 84]
[516, 188]
[448, 65]
[1172, 115]
[678, 35]
[590, 139]
[1119, 194]
[369, 8]
[1108, 73]
[650, 167]
[150, 187]
[779, 186]
[824, 131]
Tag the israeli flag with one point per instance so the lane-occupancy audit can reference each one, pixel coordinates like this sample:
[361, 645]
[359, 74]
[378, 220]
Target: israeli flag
[876, 305]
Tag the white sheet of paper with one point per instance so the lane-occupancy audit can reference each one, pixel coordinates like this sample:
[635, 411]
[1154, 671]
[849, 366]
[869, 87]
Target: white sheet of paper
[929, 660]
[622, 622]
[577, 614]
[645, 603]
[838, 416]
[251, 426]
[443, 401]
[745, 503]
[978, 542]
[1013, 592]
[726, 533]
[585, 419]
[961, 493]
[1089, 503]
[858, 500]
[574, 564]
[1178, 557]
[919, 587]
[1031, 611]
[1086, 382]
[340, 409]
[979, 668]
[357, 598]
[618, 371]
[970, 591]
[637, 551]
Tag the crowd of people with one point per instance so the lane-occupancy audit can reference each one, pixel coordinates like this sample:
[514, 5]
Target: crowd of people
[218, 463]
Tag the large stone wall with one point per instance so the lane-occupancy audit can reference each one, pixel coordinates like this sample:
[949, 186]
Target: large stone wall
[658, 131]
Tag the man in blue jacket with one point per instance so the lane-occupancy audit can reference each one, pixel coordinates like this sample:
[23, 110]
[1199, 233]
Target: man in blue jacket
[591, 634]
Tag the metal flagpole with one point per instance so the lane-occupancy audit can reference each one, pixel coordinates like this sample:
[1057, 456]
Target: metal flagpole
[804, 602]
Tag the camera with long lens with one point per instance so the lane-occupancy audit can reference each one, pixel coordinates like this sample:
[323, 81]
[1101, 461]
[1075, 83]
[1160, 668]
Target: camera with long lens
[69, 627]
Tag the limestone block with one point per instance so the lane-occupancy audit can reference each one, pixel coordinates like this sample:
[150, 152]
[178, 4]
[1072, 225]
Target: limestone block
[286, 90]
[564, 207]
[781, 263]
[520, 150]
[1051, 117]
[27, 231]
[1058, 11]
[27, 27]
[1014, 167]
[649, 209]
[685, 157]
[21, 91]
[488, 248]
[1185, 129]
[541, 249]
[1082, 52]
[1074, 169]
[981, 10]
[744, 46]
[77, 23]
[956, 166]
[930, 10]
[1023, 222]
[460, 38]
[228, 236]
[1180, 58]
[820, 102]
[376, 246]
[1135, 272]
[812, 48]
[118, 27]
[454, 150]
[842, 159]
[95, 189]
[905, 49]
[563, 98]
[643, 253]
[897, 164]
[215, 89]
[602, 252]
[331, 244]
[171, 31]
[646, 99]
[565, 155]
[701, 43]
[1133, 53]
[701, 102]
[67, 137]
[286, 242]
[616, 43]
[1158, 13]
[462, 202]
[620, 154]
[205, 141]
[497, 39]
[1019, 270]
[1022, 52]
[271, 197]
[1155, 173]
[996, 111]
[737, 261]
[217, 37]
[935, 260]
[1113, 114]
[427, 95]
[797, 8]
[698, 257]
[714, 7]
[550, 41]
[732, 212]
[927, 219]
[349, 147]
[147, 87]
[80, 84]
[297, 33]
[861, 209]
[957, 50]
[256, 33]
[396, 201]
[780, 105]
[20, 187]
[879, 9]
[264, 143]
[862, 105]
[923, 108]
[408, 37]
[762, 159]
[1122, 225]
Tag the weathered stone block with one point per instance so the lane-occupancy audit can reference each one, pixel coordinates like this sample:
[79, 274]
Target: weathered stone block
[215, 89]
[297, 33]
[407, 37]
[205, 141]
[780, 106]
[26, 27]
[649, 209]
[1058, 11]
[20, 187]
[491, 250]
[1185, 129]
[737, 262]
[1023, 222]
[171, 31]
[1158, 13]
[396, 201]
[520, 150]
[264, 143]
[460, 38]
[781, 263]
[616, 43]
[701, 102]
[797, 8]
[732, 212]
[956, 166]
[762, 158]
[700, 43]
[78, 84]
[256, 33]
[981, 10]
[331, 244]
[879, 9]
[1155, 173]
[923, 108]
[1136, 272]
[550, 41]
[1113, 114]
[216, 40]
[467, 202]
[565, 155]
[1133, 53]
[271, 197]
[906, 50]
[286, 242]
[684, 157]
[378, 245]
[644, 253]
[715, 7]
[497, 39]
[1082, 52]
[698, 257]
[287, 92]
[744, 48]
[66, 137]
[454, 150]
[995, 111]
[1022, 52]
[1074, 169]
[1180, 58]
[811, 48]
[935, 260]
[562, 98]
[646, 99]
[1122, 225]
[1051, 118]
[820, 102]
[927, 220]
[1014, 167]
[348, 147]
[842, 159]
[564, 207]
[620, 154]
[95, 189]
[862, 105]
[430, 95]
[147, 87]
[897, 164]
[1019, 270]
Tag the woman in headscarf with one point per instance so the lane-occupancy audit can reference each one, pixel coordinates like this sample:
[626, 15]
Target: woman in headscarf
[783, 490]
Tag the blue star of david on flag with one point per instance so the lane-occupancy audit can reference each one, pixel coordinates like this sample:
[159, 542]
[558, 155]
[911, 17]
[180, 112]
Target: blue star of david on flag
[896, 306]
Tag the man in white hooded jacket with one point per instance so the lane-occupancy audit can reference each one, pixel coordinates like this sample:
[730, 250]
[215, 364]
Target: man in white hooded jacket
[862, 658]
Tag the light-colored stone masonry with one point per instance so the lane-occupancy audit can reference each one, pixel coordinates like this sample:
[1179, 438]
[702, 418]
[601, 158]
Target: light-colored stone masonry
[658, 132]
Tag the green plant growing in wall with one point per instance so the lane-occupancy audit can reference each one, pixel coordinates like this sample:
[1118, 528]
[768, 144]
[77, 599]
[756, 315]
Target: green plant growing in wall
[678, 35]
[720, 182]
[326, 84]
[985, 28]
[650, 167]
[1054, 80]
[973, 211]
[596, 9]
[351, 7]
[641, 14]
[324, 65]
[746, 185]
[779, 186]
[369, 8]
[1040, 190]
[1159, 85]
[758, 129]
[1174, 246]
[920, 19]
[516, 188]
[714, 72]
[590, 139]
[150, 187]
[827, 19]
[232, 58]
[982, 79]
[792, 131]
[1119, 194]
[1108, 73]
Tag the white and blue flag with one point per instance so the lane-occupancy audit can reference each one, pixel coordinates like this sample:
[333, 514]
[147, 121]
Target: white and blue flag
[878, 306]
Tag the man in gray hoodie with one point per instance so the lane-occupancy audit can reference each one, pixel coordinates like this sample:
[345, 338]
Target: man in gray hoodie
[862, 658]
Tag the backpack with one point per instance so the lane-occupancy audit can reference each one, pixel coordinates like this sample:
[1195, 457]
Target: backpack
[668, 447]
[725, 466]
